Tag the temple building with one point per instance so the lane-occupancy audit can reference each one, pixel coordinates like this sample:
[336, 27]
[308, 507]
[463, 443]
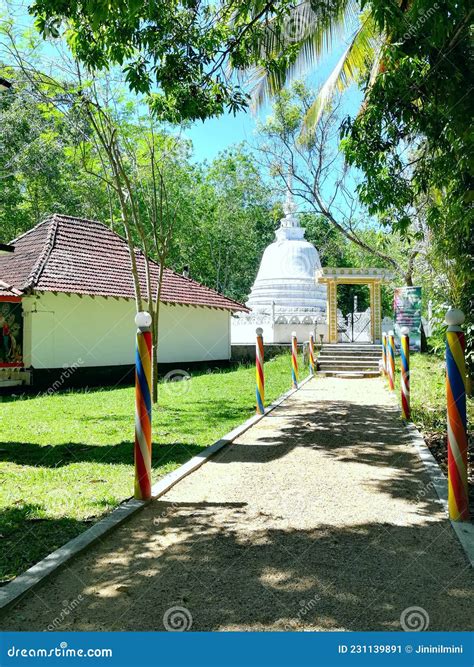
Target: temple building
[67, 309]
[285, 296]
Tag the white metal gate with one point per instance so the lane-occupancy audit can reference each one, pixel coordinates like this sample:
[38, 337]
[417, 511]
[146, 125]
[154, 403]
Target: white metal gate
[357, 328]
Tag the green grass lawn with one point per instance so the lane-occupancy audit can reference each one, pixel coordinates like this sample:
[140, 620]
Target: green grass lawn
[67, 459]
[428, 410]
[428, 392]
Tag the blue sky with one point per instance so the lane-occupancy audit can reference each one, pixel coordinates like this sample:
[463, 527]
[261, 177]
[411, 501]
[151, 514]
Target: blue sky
[217, 134]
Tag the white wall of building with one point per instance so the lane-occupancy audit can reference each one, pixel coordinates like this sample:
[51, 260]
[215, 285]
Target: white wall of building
[244, 332]
[62, 330]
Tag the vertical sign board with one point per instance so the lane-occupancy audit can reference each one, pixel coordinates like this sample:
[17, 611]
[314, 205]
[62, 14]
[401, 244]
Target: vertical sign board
[11, 332]
[407, 310]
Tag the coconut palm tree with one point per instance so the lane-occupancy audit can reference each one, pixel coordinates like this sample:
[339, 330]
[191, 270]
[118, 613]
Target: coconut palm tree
[312, 27]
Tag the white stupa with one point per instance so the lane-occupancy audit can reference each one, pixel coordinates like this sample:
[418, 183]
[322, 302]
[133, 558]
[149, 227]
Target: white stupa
[286, 277]
[285, 293]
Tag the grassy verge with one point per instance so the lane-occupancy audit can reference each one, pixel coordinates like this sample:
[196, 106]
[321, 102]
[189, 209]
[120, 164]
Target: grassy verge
[67, 459]
[428, 408]
[428, 392]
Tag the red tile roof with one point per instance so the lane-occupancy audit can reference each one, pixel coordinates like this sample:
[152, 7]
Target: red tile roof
[8, 290]
[77, 256]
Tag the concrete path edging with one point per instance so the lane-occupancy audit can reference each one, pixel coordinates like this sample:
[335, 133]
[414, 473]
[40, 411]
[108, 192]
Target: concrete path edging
[42, 570]
[464, 529]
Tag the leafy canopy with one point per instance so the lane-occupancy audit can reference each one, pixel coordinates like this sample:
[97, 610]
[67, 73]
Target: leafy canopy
[412, 137]
[179, 52]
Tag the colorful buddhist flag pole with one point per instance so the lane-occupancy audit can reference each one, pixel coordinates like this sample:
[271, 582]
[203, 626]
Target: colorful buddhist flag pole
[260, 377]
[405, 372]
[384, 353]
[294, 361]
[391, 360]
[142, 449]
[312, 366]
[458, 502]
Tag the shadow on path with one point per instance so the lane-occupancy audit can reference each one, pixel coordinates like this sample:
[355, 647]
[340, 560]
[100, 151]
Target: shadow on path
[355, 578]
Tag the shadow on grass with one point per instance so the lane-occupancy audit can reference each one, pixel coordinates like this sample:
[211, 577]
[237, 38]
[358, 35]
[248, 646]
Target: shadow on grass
[9, 395]
[26, 539]
[235, 568]
[49, 456]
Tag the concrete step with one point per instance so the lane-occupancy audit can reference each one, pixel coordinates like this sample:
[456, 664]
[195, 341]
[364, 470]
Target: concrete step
[350, 357]
[350, 347]
[348, 367]
[350, 374]
[355, 344]
[347, 360]
[353, 353]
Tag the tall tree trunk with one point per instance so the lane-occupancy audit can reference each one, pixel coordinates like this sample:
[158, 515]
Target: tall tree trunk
[155, 336]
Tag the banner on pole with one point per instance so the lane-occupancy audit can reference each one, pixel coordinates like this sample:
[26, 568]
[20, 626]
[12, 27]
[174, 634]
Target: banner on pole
[407, 311]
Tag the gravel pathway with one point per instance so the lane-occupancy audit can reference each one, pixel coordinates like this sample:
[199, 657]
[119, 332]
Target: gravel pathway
[319, 517]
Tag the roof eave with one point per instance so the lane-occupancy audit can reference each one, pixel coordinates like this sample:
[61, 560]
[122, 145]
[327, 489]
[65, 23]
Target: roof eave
[231, 308]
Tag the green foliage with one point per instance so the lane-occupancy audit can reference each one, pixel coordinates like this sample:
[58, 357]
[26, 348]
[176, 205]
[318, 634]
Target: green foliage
[231, 222]
[49, 163]
[412, 139]
[175, 51]
[297, 44]
[336, 250]
[428, 392]
[39, 165]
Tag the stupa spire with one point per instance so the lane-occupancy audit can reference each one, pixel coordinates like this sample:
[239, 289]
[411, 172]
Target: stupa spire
[289, 228]
[289, 206]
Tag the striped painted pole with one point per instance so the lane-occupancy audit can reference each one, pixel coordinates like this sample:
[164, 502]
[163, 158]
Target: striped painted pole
[260, 377]
[458, 502]
[143, 407]
[312, 366]
[294, 361]
[405, 371]
[391, 360]
[384, 353]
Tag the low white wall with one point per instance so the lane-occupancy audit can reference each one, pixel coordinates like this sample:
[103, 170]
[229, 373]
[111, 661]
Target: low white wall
[63, 330]
[275, 333]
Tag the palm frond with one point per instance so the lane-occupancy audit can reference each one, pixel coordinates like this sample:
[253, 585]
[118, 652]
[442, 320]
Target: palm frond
[353, 61]
[313, 33]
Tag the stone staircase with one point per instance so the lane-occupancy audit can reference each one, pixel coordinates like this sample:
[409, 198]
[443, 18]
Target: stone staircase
[349, 360]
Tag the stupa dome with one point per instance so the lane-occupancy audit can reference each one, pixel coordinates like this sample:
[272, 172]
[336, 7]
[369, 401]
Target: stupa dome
[286, 277]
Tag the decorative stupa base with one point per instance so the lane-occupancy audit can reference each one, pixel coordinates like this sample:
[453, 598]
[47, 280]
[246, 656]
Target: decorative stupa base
[279, 328]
